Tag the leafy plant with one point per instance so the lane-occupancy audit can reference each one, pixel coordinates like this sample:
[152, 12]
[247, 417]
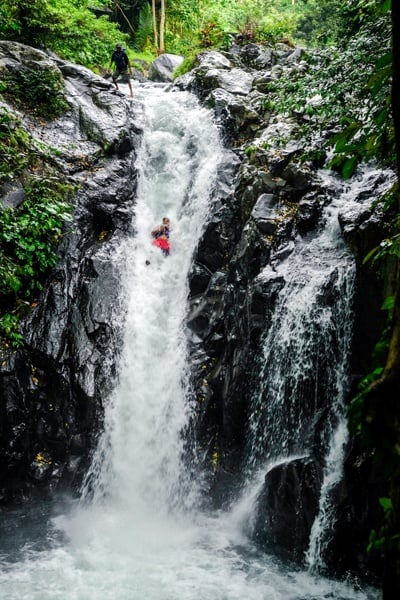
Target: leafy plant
[145, 27]
[211, 35]
[42, 90]
[9, 330]
[78, 31]
[341, 99]
[29, 237]
[14, 151]
[188, 63]
[384, 539]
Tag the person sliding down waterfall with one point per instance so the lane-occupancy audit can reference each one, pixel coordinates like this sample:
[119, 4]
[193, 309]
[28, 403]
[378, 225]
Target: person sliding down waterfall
[161, 236]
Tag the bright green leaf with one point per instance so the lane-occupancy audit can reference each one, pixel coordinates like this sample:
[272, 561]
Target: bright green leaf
[349, 167]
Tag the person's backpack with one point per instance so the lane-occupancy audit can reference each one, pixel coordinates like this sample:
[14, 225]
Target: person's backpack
[121, 60]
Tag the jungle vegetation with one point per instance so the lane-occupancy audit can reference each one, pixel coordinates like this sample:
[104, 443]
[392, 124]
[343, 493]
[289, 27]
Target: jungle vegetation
[84, 30]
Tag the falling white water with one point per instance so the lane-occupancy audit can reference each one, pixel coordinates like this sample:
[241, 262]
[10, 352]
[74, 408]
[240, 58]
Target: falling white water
[305, 349]
[138, 534]
[139, 458]
[303, 378]
[333, 470]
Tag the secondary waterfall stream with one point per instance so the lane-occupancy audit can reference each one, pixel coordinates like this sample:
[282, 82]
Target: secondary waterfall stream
[138, 533]
[298, 406]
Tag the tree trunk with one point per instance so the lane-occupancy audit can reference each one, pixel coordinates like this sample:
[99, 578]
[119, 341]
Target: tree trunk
[155, 28]
[162, 27]
[119, 7]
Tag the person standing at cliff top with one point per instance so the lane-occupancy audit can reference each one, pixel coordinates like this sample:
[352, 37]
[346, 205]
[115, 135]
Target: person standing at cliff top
[122, 63]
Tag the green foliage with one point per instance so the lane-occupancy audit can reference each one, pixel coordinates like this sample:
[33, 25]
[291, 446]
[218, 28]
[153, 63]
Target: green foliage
[358, 422]
[188, 63]
[82, 31]
[183, 18]
[213, 36]
[276, 25]
[145, 27]
[29, 237]
[250, 151]
[68, 27]
[9, 330]
[182, 46]
[384, 539]
[30, 234]
[317, 22]
[41, 90]
[371, 137]
[211, 23]
[341, 99]
[13, 142]
[322, 22]
[389, 248]
[125, 13]
[9, 25]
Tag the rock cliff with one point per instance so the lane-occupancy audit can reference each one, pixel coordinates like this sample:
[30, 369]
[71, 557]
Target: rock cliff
[53, 389]
[277, 197]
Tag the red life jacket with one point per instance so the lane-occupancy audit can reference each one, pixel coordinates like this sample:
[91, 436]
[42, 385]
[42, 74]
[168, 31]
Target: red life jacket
[162, 243]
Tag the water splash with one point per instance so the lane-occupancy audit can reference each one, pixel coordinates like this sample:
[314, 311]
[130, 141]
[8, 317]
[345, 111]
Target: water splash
[139, 459]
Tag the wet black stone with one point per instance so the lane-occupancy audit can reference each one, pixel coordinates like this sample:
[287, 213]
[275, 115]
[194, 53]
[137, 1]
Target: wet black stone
[287, 507]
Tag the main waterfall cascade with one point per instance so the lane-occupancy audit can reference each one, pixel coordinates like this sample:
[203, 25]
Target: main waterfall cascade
[137, 534]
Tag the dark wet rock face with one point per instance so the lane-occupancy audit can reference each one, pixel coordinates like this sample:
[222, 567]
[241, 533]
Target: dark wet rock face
[265, 200]
[287, 507]
[274, 199]
[53, 390]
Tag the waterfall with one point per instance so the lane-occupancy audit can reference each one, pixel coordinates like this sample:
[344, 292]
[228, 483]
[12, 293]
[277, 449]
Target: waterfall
[138, 532]
[305, 349]
[139, 458]
[321, 531]
[298, 407]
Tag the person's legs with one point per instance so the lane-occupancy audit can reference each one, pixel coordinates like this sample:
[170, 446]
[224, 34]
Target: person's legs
[115, 77]
[126, 78]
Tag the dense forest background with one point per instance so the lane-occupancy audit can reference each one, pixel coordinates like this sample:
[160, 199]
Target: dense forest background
[352, 46]
[83, 30]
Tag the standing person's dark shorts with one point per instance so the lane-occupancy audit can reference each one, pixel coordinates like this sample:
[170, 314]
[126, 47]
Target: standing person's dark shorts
[123, 75]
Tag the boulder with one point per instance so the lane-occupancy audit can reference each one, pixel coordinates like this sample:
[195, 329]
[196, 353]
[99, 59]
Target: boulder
[234, 81]
[264, 213]
[163, 67]
[213, 60]
[257, 56]
[11, 195]
[288, 506]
